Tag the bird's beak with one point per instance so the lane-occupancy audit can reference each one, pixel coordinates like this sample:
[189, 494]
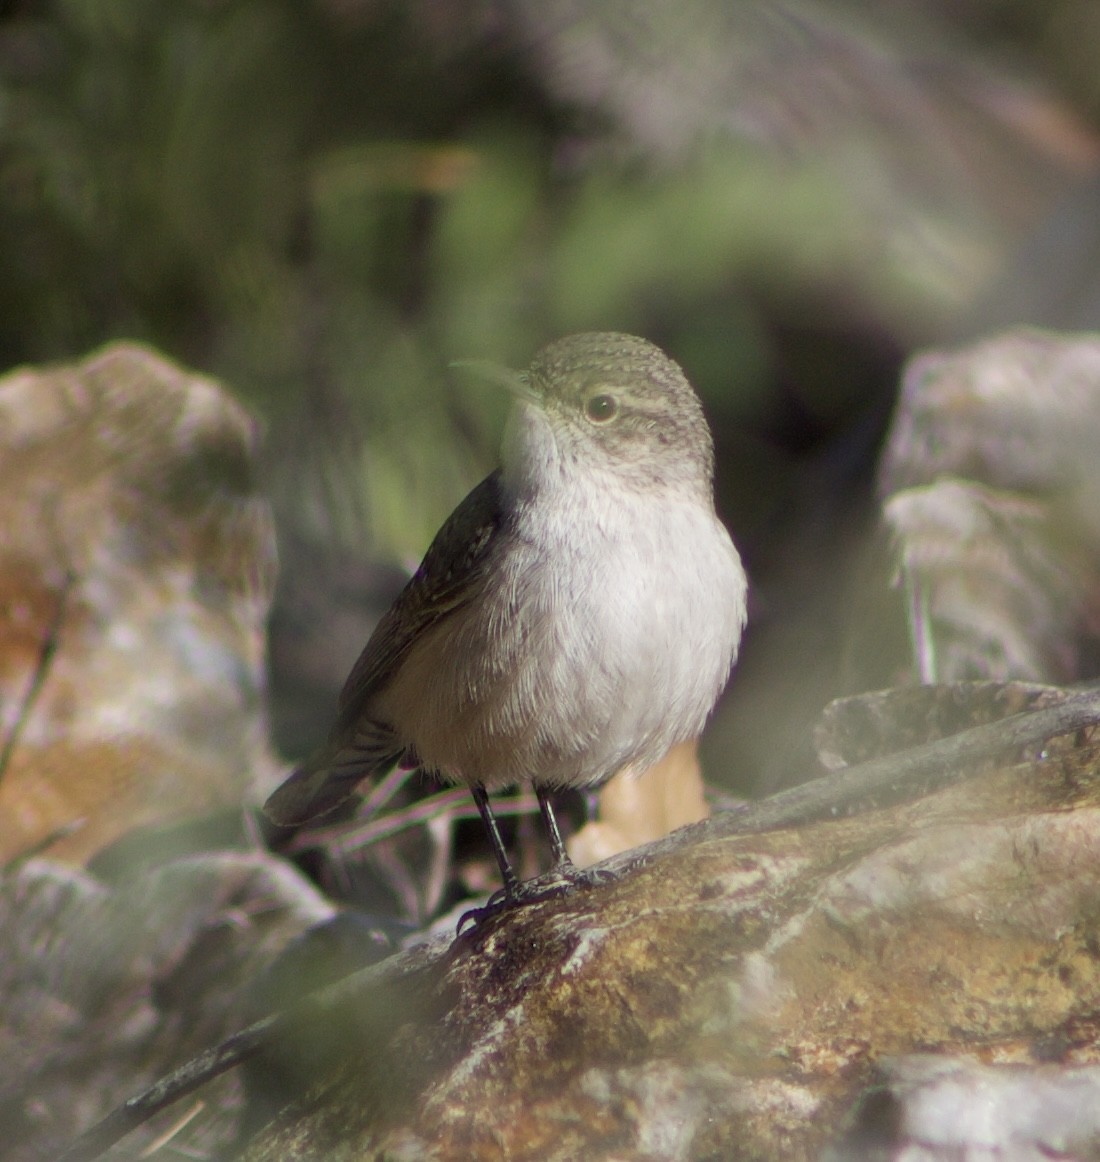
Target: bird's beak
[516, 382]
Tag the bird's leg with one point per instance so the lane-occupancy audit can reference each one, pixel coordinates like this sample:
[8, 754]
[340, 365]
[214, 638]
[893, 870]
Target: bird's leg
[561, 876]
[511, 883]
[563, 867]
[562, 862]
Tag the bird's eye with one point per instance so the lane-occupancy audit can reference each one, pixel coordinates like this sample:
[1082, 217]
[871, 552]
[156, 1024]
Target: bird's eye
[602, 408]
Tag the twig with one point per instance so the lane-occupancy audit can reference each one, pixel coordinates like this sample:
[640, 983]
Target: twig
[177, 1127]
[50, 641]
[179, 1083]
[35, 849]
[375, 981]
[352, 835]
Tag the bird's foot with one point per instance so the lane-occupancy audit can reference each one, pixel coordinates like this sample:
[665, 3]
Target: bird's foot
[559, 880]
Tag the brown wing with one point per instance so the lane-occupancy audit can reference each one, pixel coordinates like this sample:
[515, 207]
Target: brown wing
[450, 575]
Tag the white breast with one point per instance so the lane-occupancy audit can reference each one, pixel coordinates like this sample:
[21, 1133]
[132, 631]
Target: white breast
[608, 639]
[658, 601]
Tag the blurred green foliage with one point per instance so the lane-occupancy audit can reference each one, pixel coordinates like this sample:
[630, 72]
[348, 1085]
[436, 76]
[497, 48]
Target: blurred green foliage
[314, 207]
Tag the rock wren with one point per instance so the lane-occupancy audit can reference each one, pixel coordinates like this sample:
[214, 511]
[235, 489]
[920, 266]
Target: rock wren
[580, 610]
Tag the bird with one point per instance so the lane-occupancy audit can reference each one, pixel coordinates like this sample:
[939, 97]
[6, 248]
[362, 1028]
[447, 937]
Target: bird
[579, 612]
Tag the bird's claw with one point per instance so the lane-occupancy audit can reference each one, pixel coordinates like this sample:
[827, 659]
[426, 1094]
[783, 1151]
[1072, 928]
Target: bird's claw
[557, 881]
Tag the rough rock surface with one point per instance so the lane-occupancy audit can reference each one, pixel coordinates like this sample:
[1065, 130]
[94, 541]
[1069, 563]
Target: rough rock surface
[136, 563]
[734, 995]
[991, 498]
[108, 986]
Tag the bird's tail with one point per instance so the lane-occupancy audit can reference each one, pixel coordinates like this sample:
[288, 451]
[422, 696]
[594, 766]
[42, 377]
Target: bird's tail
[328, 779]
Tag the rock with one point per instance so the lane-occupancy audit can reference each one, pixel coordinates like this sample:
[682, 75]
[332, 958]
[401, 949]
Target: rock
[732, 995]
[932, 1109]
[991, 495]
[136, 564]
[636, 808]
[106, 987]
[881, 722]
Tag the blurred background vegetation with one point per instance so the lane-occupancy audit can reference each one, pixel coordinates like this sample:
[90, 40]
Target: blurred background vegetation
[324, 202]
